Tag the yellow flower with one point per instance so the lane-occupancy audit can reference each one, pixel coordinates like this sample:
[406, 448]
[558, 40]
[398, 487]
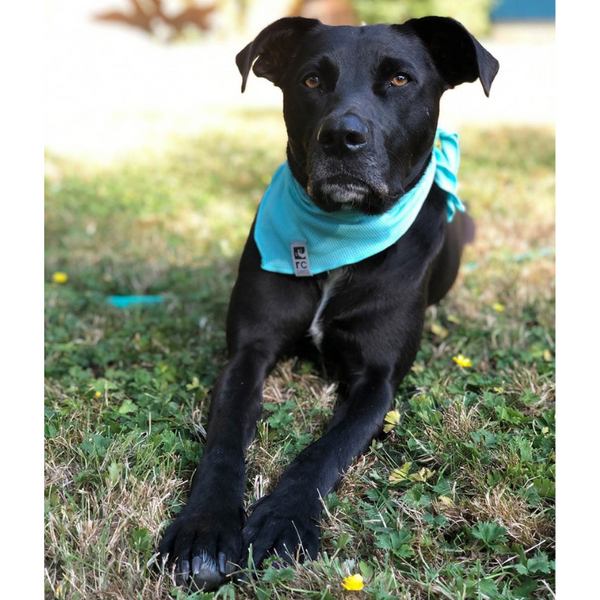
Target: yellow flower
[391, 420]
[498, 307]
[98, 394]
[59, 277]
[353, 583]
[462, 361]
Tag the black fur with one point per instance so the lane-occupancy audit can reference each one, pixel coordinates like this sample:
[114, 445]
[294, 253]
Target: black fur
[354, 136]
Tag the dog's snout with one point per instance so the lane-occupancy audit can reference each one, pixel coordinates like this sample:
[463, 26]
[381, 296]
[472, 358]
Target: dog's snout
[347, 133]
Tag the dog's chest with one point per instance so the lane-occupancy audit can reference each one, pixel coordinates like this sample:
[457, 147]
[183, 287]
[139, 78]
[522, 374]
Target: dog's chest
[328, 289]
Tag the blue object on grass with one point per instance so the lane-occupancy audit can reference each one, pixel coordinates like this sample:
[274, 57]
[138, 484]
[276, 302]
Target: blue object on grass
[127, 301]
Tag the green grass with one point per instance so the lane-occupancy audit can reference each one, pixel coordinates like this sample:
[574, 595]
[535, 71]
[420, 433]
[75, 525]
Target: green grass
[471, 514]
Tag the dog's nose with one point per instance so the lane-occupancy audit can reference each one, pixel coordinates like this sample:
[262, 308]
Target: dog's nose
[343, 134]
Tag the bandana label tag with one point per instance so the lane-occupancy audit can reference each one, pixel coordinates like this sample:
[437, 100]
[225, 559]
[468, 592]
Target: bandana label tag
[300, 259]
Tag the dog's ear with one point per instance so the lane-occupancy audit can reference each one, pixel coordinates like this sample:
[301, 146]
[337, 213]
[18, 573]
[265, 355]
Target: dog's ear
[458, 56]
[274, 46]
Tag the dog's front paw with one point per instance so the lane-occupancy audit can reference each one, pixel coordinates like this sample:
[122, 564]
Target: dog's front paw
[285, 525]
[203, 545]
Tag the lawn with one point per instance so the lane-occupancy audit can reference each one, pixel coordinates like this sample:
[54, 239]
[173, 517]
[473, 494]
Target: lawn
[456, 501]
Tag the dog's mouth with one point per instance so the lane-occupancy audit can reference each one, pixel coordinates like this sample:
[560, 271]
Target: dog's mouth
[340, 183]
[344, 190]
[340, 192]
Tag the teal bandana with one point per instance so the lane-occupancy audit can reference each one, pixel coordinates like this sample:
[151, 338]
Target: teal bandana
[295, 237]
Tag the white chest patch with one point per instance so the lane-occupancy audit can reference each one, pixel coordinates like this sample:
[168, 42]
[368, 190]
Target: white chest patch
[316, 327]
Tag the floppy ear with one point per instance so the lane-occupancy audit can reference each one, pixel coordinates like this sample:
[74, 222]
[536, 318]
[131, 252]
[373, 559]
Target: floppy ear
[274, 46]
[458, 56]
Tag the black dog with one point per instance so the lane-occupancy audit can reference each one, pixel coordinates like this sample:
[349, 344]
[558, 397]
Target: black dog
[361, 108]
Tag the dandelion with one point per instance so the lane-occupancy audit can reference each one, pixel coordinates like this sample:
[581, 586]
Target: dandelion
[353, 583]
[98, 394]
[59, 277]
[498, 307]
[462, 361]
[391, 420]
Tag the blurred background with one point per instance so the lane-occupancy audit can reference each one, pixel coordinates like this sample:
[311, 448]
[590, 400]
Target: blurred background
[120, 74]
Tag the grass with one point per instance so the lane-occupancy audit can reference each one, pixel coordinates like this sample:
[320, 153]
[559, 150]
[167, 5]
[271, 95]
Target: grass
[469, 512]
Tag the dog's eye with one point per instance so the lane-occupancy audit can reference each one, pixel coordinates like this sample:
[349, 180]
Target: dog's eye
[399, 80]
[312, 82]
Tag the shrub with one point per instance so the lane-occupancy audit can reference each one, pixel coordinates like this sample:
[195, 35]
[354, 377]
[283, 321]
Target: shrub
[473, 14]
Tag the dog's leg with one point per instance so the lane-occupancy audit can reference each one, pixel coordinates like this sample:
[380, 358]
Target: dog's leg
[286, 520]
[374, 345]
[267, 312]
[206, 537]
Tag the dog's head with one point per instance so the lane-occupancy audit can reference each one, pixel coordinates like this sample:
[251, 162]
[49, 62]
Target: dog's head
[361, 104]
